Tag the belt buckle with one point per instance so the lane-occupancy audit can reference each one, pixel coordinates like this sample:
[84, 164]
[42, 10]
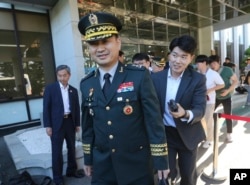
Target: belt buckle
[65, 116]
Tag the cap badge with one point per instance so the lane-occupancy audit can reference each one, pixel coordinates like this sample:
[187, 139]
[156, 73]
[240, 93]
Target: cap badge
[93, 19]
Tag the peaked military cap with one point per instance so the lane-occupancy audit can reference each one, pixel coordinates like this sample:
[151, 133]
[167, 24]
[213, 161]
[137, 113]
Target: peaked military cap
[99, 25]
[159, 61]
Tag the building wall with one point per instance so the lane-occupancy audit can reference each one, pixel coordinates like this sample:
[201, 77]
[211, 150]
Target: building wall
[66, 38]
[205, 40]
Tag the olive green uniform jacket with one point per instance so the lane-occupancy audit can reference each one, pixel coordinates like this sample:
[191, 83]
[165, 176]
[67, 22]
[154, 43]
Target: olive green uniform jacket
[124, 131]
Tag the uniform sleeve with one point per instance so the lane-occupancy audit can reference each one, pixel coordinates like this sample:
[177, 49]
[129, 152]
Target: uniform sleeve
[87, 131]
[154, 123]
[77, 108]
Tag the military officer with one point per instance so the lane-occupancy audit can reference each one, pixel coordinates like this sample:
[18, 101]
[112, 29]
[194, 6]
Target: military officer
[122, 130]
[158, 64]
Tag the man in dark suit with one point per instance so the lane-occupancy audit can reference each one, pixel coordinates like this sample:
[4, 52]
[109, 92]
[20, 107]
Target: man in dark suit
[183, 126]
[122, 130]
[61, 116]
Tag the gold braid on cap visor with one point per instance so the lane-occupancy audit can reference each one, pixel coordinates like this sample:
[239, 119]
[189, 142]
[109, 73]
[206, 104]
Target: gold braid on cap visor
[100, 30]
[159, 149]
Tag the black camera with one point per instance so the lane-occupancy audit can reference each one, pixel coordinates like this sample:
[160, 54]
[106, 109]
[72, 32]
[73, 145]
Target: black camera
[172, 106]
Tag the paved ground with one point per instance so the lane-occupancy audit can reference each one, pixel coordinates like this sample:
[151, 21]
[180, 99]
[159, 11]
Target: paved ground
[233, 155]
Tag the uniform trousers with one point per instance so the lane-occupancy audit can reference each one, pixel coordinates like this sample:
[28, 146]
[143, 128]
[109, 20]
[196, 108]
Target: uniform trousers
[186, 158]
[109, 177]
[67, 132]
[140, 181]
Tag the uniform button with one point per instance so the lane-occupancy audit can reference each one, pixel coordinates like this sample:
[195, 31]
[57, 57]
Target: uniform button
[141, 147]
[113, 150]
[109, 122]
[111, 136]
[107, 108]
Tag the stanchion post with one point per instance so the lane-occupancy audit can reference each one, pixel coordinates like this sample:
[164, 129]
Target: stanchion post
[215, 146]
[214, 175]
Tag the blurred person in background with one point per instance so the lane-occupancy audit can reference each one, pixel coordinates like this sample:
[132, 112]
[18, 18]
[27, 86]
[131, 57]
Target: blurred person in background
[224, 95]
[157, 64]
[213, 82]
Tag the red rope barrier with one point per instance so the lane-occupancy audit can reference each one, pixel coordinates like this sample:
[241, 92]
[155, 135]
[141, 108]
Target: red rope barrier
[234, 117]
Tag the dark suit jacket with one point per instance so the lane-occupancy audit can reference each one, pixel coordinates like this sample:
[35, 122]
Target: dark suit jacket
[191, 95]
[112, 138]
[53, 109]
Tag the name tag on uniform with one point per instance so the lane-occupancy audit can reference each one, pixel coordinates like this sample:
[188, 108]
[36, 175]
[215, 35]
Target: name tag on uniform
[119, 99]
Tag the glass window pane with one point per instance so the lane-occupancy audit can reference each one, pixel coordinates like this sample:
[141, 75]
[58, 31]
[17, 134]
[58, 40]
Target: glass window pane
[216, 35]
[39, 22]
[6, 21]
[160, 32]
[11, 79]
[13, 112]
[37, 56]
[36, 107]
[129, 51]
[5, 5]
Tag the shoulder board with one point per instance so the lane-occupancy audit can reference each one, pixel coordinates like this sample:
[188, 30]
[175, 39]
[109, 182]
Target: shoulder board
[92, 73]
[135, 67]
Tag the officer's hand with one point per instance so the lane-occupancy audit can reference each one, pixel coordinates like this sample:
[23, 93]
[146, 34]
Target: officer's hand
[87, 170]
[49, 131]
[163, 174]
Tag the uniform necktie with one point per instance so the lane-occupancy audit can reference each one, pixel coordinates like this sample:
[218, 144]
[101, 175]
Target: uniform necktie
[107, 84]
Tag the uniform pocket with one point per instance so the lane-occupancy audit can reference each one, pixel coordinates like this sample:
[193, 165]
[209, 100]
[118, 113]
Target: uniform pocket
[127, 96]
[139, 145]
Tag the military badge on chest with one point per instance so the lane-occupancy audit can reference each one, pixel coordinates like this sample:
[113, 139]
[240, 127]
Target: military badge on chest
[90, 100]
[127, 109]
[123, 88]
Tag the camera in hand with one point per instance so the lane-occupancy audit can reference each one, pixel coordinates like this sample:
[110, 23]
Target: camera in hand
[172, 106]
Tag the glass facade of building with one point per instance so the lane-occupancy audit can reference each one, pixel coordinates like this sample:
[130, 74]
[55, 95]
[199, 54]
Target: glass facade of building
[27, 56]
[26, 63]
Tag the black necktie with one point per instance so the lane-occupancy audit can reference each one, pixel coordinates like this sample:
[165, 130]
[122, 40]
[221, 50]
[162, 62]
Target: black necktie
[107, 84]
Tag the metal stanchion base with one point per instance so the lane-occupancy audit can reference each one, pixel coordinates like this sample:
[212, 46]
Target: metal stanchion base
[212, 177]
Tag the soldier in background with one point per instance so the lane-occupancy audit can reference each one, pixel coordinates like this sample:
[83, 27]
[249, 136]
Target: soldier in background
[158, 64]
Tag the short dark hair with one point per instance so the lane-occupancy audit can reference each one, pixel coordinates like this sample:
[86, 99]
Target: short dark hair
[184, 42]
[140, 56]
[227, 58]
[213, 58]
[63, 67]
[201, 59]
